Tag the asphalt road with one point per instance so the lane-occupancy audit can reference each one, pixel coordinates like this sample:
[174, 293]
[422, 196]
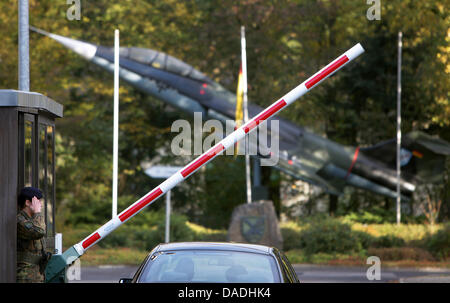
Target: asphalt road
[339, 274]
[306, 274]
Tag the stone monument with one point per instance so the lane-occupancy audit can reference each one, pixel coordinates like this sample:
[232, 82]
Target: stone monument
[255, 223]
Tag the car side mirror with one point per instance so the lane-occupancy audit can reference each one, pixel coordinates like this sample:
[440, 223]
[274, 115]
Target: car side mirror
[125, 280]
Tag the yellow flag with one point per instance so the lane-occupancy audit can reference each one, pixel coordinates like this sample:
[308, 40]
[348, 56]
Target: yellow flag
[239, 113]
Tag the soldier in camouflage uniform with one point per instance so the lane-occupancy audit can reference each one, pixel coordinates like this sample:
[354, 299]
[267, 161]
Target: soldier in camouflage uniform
[30, 236]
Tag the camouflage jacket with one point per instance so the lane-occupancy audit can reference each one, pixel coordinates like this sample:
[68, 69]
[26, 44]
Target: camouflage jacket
[30, 232]
[30, 235]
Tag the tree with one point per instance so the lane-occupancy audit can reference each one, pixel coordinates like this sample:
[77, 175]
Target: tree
[286, 42]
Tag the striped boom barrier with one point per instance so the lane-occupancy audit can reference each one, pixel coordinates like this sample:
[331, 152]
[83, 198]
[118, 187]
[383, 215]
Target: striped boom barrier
[216, 150]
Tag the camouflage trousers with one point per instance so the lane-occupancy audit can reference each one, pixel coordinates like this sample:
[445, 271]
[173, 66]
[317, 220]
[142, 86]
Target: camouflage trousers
[29, 273]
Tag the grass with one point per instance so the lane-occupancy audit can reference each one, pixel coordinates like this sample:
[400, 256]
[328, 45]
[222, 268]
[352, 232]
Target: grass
[113, 256]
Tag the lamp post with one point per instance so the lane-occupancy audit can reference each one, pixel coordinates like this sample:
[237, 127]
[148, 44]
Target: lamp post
[24, 47]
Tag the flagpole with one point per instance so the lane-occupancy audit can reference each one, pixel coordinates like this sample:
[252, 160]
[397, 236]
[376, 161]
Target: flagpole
[399, 120]
[244, 88]
[116, 123]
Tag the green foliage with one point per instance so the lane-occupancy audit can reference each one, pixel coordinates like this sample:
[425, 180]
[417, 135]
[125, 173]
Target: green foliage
[179, 231]
[220, 192]
[365, 240]
[378, 215]
[387, 241]
[291, 235]
[401, 254]
[406, 232]
[114, 256]
[366, 217]
[333, 236]
[327, 236]
[439, 243]
[286, 43]
[147, 236]
[127, 236]
[145, 231]
[318, 239]
[207, 234]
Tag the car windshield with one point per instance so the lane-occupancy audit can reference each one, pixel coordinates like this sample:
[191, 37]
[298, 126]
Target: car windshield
[210, 267]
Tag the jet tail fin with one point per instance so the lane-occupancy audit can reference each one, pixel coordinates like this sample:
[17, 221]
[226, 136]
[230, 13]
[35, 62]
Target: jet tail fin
[422, 156]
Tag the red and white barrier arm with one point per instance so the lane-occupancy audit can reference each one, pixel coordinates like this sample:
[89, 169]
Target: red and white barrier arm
[216, 150]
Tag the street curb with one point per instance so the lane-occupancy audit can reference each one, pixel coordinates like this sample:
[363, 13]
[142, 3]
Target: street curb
[426, 279]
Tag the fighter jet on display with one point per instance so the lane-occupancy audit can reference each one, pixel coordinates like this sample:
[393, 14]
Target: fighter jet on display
[302, 154]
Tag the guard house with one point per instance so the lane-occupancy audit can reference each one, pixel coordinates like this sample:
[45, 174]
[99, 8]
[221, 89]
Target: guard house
[27, 158]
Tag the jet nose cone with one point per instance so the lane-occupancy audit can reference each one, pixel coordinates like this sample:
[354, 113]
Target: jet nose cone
[87, 50]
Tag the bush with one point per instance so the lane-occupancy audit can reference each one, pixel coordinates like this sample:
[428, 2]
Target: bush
[365, 217]
[120, 238]
[291, 235]
[329, 236]
[439, 243]
[378, 215]
[366, 240]
[337, 235]
[406, 232]
[207, 234]
[179, 231]
[148, 238]
[387, 241]
[318, 236]
[401, 253]
[143, 232]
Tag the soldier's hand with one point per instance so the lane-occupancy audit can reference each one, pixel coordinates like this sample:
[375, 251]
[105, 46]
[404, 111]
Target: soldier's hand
[36, 205]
